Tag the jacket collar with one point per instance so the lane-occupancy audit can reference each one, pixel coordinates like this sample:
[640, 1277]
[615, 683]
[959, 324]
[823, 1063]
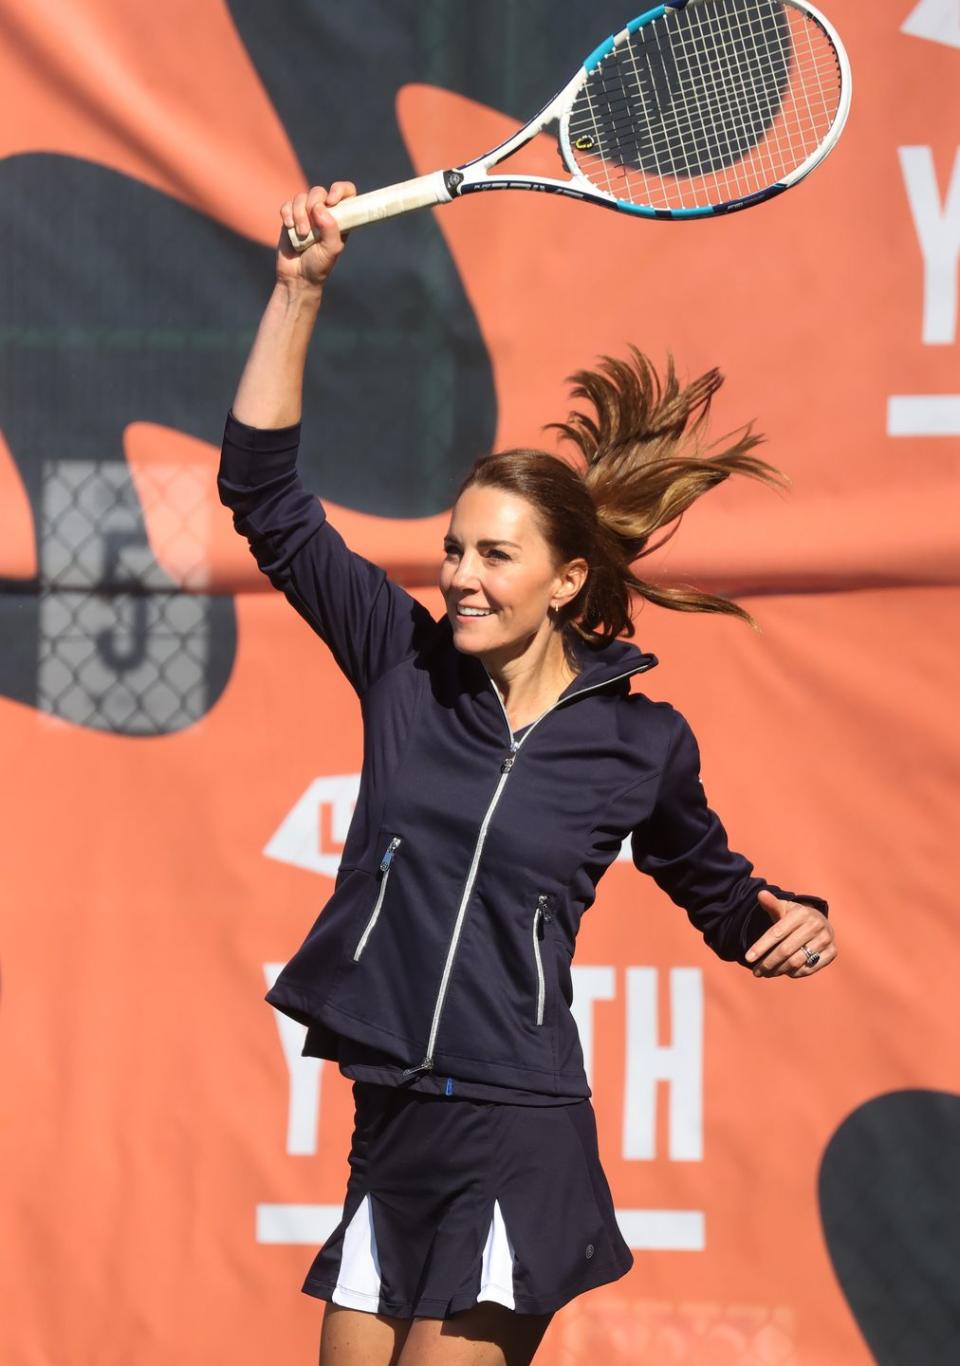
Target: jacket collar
[606, 663]
[598, 664]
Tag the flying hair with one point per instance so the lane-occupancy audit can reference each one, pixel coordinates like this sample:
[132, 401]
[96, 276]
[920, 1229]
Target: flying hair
[642, 458]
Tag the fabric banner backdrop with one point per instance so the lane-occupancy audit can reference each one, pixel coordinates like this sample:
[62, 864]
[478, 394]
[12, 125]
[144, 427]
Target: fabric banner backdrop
[180, 755]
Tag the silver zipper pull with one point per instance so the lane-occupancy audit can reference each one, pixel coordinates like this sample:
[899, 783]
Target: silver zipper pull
[544, 902]
[507, 764]
[425, 1066]
[392, 848]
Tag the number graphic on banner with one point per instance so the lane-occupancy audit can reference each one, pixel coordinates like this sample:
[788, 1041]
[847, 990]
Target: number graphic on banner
[123, 657]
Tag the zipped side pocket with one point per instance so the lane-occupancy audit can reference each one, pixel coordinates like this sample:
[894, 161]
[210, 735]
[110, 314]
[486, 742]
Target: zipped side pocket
[541, 916]
[385, 865]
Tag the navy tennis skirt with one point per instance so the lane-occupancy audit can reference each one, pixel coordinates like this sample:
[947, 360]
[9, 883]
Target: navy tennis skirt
[453, 1201]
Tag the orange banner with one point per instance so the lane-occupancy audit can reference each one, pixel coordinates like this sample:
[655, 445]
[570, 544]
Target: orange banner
[182, 757]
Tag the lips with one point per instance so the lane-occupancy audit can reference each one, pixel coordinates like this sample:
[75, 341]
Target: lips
[473, 613]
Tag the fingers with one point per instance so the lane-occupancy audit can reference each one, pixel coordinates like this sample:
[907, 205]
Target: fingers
[788, 958]
[780, 948]
[305, 211]
[772, 904]
[827, 954]
[807, 970]
[795, 961]
[795, 919]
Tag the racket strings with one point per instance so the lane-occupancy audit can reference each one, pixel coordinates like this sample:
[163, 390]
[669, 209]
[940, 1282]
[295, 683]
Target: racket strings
[693, 132]
[707, 117]
[698, 135]
[708, 105]
[702, 120]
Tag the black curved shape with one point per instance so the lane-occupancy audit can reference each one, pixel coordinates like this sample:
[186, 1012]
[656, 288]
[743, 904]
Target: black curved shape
[143, 310]
[890, 1203]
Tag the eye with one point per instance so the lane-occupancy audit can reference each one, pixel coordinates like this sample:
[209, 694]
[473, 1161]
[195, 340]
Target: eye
[450, 549]
[497, 554]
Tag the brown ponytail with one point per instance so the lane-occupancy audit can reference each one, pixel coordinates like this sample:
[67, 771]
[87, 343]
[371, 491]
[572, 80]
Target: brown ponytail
[642, 460]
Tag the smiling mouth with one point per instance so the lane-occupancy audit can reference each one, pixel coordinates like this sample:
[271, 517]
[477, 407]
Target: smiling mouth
[474, 613]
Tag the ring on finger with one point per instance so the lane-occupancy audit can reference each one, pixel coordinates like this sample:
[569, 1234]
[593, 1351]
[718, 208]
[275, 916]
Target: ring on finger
[812, 958]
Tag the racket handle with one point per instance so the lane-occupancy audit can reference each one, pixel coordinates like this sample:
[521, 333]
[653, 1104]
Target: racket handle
[420, 193]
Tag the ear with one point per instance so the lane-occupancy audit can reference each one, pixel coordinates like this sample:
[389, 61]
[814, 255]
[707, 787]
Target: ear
[569, 580]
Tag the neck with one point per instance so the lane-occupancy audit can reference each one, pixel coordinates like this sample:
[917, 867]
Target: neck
[533, 679]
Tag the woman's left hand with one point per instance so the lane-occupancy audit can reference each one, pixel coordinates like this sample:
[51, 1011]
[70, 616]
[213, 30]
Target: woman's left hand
[778, 950]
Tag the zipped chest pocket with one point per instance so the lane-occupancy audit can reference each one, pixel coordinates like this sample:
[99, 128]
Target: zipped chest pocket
[386, 865]
[542, 916]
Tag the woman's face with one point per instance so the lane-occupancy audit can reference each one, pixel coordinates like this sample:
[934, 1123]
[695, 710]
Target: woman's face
[498, 576]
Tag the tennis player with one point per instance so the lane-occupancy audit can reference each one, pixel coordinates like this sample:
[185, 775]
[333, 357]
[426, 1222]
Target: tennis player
[505, 762]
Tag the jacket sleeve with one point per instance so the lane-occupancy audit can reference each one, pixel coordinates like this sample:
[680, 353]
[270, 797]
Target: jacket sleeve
[683, 846]
[368, 621]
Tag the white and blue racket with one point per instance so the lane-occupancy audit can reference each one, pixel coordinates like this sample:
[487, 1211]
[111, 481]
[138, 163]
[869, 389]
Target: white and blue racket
[698, 108]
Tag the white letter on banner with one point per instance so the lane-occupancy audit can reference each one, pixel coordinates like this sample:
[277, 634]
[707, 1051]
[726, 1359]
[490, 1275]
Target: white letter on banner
[938, 230]
[305, 1075]
[311, 835]
[938, 20]
[680, 1063]
[589, 985]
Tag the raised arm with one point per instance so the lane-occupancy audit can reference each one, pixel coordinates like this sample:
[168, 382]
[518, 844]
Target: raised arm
[369, 622]
[683, 846]
[270, 391]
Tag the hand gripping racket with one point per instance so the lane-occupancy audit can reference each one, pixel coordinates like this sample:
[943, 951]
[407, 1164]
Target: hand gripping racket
[698, 108]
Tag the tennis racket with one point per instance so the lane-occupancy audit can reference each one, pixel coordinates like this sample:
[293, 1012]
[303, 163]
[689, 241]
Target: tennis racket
[698, 108]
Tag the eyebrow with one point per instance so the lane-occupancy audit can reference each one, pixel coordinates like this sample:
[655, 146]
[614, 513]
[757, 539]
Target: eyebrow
[486, 542]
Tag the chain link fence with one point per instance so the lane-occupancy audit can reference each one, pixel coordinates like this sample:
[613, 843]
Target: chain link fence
[120, 646]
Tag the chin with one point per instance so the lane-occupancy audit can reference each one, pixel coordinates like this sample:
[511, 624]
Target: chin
[468, 639]
[465, 645]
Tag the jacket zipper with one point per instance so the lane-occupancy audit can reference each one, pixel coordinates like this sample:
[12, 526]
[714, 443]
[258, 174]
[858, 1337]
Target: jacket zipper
[507, 764]
[540, 915]
[385, 865]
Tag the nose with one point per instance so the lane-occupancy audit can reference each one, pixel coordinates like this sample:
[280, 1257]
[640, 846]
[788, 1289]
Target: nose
[465, 573]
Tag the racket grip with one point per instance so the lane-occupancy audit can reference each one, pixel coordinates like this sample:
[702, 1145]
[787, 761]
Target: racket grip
[419, 193]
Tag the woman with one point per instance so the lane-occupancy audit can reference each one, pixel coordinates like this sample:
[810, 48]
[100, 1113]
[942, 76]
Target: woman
[505, 761]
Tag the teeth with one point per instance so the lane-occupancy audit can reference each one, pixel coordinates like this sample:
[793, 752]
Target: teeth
[474, 611]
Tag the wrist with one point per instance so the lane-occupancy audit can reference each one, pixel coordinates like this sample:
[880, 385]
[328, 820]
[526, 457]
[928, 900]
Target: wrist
[298, 295]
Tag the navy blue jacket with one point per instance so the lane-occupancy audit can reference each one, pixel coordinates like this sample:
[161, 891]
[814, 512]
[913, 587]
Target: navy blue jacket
[472, 855]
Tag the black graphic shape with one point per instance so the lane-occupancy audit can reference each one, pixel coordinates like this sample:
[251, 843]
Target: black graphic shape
[890, 1204]
[122, 305]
